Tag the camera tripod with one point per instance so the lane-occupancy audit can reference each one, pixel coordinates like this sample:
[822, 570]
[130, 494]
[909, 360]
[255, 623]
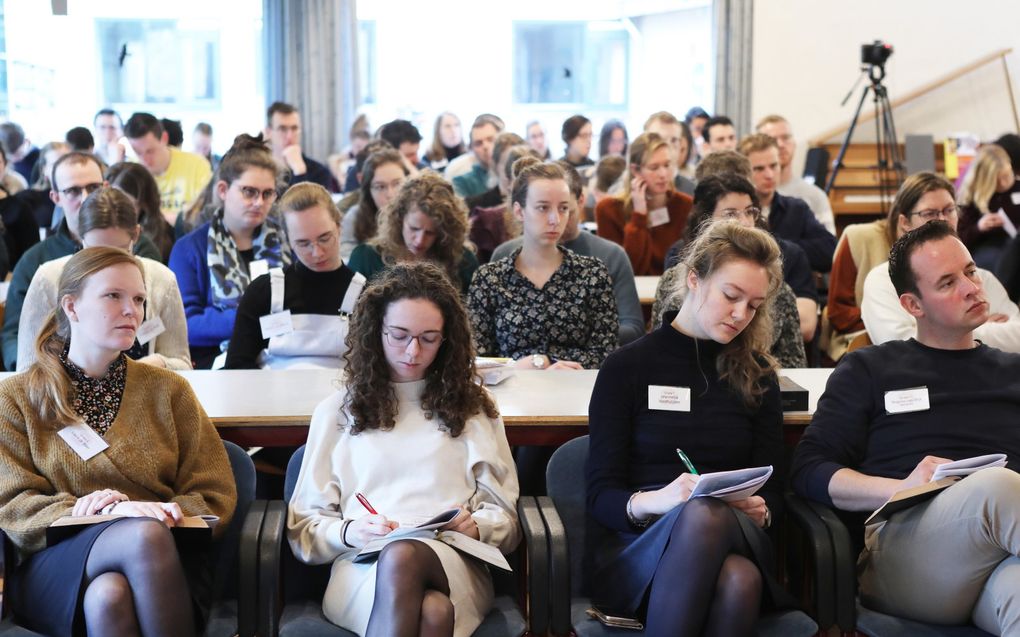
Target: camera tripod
[890, 164]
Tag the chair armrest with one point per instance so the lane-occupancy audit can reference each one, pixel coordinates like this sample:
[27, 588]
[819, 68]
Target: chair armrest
[537, 565]
[559, 569]
[247, 569]
[818, 543]
[845, 561]
[270, 576]
[6, 564]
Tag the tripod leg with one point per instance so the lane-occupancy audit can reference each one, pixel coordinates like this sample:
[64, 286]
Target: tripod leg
[846, 142]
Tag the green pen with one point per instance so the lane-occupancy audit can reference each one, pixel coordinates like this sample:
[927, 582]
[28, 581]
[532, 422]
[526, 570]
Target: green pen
[687, 462]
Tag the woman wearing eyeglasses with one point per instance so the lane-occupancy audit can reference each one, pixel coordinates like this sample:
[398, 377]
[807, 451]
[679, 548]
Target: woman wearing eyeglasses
[409, 399]
[381, 178]
[426, 221]
[215, 262]
[310, 300]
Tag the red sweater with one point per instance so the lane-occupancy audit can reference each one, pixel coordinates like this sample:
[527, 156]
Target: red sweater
[645, 246]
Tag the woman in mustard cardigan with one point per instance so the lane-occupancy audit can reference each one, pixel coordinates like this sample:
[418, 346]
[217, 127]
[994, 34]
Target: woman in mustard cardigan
[85, 430]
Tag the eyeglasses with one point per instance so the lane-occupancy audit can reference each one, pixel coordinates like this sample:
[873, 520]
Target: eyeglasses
[380, 188]
[931, 215]
[251, 194]
[324, 242]
[76, 192]
[401, 338]
[733, 214]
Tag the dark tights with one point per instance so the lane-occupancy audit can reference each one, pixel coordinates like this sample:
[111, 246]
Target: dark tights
[412, 594]
[703, 584]
[135, 584]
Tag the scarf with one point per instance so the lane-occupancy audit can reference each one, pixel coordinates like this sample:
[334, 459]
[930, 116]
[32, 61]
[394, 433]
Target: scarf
[228, 274]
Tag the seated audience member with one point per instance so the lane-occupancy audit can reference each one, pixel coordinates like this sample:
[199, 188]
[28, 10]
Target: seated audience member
[577, 134]
[990, 186]
[80, 140]
[543, 305]
[352, 187]
[174, 132]
[408, 399]
[788, 217]
[19, 228]
[535, 136]
[690, 566]
[18, 149]
[402, 135]
[631, 320]
[37, 198]
[606, 180]
[137, 182]
[75, 177]
[283, 130]
[613, 139]
[719, 134]
[340, 164]
[109, 218]
[884, 315]
[477, 178]
[425, 222]
[160, 459]
[695, 118]
[383, 173]
[496, 196]
[317, 289]
[201, 143]
[215, 262]
[730, 197]
[668, 127]
[487, 212]
[109, 130]
[776, 127]
[892, 413]
[447, 142]
[180, 176]
[649, 216]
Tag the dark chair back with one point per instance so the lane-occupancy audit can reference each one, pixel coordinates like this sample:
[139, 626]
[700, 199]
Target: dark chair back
[225, 575]
[565, 484]
[300, 581]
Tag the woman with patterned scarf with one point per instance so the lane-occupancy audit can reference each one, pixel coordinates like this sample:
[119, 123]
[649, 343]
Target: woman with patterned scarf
[215, 263]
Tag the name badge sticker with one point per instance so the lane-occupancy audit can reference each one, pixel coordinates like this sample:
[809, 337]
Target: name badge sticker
[257, 268]
[83, 440]
[276, 324]
[1015, 198]
[904, 401]
[149, 330]
[658, 217]
[661, 397]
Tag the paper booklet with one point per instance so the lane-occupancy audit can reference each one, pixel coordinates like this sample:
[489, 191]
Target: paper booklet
[494, 370]
[430, 529]
[189, 528]
[909, 497]
[968, 466]
[731, 486]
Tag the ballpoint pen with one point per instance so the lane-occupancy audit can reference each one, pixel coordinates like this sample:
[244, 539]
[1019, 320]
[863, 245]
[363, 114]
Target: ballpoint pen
[687, 462]
[368, 506]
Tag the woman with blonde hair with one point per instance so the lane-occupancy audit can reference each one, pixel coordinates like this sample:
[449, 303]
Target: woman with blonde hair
[86, 430]
[705, 385]
[990, 186]
[426, 222]
[650, 215]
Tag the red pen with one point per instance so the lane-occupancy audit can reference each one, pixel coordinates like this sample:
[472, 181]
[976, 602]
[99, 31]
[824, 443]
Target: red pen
[365, 503]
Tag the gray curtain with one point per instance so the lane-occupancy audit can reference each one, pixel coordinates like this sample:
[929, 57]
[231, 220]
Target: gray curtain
[311, 61]
[733, 30]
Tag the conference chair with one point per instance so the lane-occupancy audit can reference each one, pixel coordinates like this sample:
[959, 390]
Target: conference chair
[233, 611]
[822, 527]
[291, 592]
[564, 514]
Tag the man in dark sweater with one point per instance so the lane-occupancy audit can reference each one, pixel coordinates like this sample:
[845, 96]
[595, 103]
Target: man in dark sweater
[283, 130]
[892, 413]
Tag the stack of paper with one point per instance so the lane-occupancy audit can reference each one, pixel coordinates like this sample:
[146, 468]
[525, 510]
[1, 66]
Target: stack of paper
[968, 466]
[731, 486]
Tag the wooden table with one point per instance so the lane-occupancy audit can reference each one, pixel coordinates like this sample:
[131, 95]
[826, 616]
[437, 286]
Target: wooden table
[267, 408]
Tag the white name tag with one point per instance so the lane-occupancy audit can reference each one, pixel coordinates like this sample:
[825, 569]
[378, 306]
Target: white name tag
[276, 324]
[1015, 198]
[658, 217]
[903, 401]
[150, 330]
[669, 398]
[83, 439]
[257, 268]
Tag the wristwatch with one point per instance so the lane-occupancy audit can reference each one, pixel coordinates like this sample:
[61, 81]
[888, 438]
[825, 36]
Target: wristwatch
[768, 518]
[538, 361]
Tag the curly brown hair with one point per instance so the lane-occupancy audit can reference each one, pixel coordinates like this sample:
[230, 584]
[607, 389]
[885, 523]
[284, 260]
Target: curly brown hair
[435, 198]
[451, 394]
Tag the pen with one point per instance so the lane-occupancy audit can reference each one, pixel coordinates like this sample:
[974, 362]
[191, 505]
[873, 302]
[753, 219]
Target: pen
[687, 462]
[368, 506]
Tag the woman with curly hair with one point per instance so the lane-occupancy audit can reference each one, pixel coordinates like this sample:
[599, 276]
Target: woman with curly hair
[409, 399]
[426, 222]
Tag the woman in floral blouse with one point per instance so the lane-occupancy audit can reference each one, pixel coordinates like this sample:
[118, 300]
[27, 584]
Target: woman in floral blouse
[543, 306]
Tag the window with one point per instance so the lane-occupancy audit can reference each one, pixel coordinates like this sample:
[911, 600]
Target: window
[366, 60]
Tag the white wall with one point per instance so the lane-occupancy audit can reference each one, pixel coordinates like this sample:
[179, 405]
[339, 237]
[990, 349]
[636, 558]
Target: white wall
[807, 54]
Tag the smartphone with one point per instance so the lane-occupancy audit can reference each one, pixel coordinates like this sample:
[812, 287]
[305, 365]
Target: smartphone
[614, 621]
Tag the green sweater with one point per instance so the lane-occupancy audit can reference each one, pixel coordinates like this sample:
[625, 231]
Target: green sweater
[367, 260]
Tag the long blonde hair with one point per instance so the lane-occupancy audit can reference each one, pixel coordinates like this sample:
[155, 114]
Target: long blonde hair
[982, 179]
[745, 360]
[639, 153]
[49, 388]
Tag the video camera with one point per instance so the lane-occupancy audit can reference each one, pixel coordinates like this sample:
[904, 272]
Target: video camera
[876, 53]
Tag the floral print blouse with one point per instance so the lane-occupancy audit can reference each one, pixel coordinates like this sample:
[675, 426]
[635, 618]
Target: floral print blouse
[97, 400]
[572, 317]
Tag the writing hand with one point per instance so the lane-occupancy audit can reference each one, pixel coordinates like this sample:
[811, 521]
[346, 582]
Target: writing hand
[463, 523]
[367, 528]
[922, 472]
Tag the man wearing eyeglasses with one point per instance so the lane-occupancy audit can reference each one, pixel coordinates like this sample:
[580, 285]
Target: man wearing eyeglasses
[181, 176]
[283, 130]
[75, 176]
[884, 316]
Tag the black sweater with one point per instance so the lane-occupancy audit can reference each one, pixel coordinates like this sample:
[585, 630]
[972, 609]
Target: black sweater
[304, 292]
[634, 448]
